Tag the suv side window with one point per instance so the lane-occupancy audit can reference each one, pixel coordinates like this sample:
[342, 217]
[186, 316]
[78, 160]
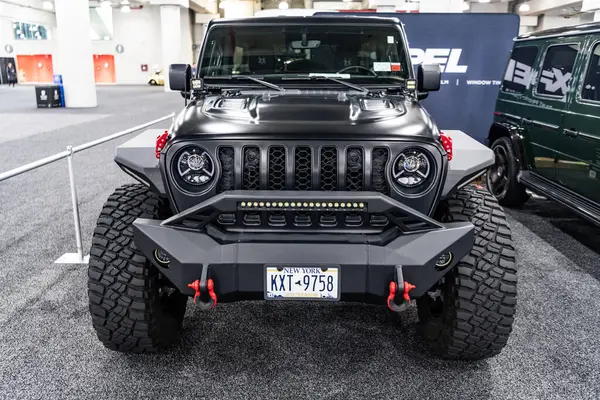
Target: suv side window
[557, 70]
[518, 73]
[591, 86]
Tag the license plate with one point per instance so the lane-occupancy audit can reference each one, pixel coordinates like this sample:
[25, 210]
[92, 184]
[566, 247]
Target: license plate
[301, 283]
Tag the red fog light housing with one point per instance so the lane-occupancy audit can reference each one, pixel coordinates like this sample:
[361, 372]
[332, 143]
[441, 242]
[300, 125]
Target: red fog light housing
[447, 144]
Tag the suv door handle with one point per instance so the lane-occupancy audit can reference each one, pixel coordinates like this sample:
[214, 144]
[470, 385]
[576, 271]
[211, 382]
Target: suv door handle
[570, 133]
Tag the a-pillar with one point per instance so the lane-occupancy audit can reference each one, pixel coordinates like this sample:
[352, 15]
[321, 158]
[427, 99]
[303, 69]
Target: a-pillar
[74, 53]
[441, 6]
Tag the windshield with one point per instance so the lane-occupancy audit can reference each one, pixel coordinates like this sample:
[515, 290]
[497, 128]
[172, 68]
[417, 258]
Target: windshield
[280, 50]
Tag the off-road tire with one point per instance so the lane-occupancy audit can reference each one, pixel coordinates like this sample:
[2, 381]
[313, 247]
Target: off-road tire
[131, 310]
[515, 194]
[473, 318]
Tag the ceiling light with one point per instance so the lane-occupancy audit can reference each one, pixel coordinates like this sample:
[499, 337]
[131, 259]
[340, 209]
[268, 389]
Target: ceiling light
[524, 7]
[284, 5]
[347, 1]
[106, 4]
[484, 1]
[125, 9]
[465, 5]
[47, 5]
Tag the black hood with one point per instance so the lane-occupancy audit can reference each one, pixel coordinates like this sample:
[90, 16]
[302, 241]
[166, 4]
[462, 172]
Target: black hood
[322, 114]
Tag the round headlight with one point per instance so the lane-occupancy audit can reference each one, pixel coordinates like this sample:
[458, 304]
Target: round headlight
[412, 168]
[195, 166]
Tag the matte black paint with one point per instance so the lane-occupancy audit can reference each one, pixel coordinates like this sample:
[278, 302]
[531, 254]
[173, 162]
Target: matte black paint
[302, 114]
[365, 270]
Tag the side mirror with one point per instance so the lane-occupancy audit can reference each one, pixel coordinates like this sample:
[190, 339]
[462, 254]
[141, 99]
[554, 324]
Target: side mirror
[422, 95]
[179, 76]
[429, 78]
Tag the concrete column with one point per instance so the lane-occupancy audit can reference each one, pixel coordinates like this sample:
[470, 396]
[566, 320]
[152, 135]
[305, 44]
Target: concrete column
[441, 6]
[74, 53]
[239, 9]
[170, 28]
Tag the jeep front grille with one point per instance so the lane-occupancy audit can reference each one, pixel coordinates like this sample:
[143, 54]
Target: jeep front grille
[329, 168]
[303, 168]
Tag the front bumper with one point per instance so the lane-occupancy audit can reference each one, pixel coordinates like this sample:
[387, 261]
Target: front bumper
[366, 270]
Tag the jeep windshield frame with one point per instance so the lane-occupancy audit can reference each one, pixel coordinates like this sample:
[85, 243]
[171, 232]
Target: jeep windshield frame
[282, 48]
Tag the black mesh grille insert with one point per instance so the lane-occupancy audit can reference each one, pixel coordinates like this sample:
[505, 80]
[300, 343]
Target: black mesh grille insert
[277, 168]
[379, 161]
[303, 168]
[227, 180]
[354, 169]
[329, 168]
[251, 168]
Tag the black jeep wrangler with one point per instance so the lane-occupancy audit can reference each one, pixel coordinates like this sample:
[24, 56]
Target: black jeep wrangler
[304, 168]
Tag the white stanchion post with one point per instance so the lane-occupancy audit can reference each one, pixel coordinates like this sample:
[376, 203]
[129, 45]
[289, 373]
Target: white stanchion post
[74, 258]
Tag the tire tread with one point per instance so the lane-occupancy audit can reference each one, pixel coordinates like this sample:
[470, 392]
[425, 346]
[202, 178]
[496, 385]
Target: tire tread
[123, 287]
[480, 292]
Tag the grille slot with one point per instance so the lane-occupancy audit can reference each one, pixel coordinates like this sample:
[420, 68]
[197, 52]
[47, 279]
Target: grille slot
[303, 168]
[227, 179]
[277, 168]
[329, 168]
[251, 218]
[328, 219]
[302, 219]
[380, 159]
[353, 219]
[355, 162]
[378, 220]
[226, 219]
[251, 168]
[277, 218]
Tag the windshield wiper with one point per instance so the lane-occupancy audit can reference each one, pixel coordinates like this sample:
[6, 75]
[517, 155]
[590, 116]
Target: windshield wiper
[326, 77]
[250, 78]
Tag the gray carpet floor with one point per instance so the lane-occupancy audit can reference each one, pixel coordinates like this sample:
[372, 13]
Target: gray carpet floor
[48, 349]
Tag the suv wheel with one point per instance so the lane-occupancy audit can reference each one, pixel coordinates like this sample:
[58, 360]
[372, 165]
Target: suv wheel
[469, 315]
[132, 310]
[501, 177]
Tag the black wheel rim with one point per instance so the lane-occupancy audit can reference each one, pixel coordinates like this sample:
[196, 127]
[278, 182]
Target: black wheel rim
[497, 176]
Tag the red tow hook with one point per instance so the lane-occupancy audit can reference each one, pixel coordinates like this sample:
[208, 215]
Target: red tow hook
[210, 286]
[390, 300]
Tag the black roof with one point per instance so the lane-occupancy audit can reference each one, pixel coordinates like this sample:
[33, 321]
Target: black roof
[572, 30]
[354, 19]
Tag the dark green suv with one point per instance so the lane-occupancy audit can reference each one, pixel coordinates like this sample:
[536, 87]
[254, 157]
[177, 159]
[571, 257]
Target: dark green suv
[546, 132]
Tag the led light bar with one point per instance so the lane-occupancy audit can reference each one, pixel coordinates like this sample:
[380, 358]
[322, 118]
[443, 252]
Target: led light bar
[305, 205]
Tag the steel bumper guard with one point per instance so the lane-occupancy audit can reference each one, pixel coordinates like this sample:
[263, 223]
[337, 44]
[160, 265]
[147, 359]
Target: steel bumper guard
[237, 268]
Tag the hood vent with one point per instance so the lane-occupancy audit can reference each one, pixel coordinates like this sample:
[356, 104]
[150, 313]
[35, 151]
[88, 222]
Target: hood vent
[376, 104]
[232, 104]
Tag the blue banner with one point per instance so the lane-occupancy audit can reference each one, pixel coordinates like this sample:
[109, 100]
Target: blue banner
[473, 50]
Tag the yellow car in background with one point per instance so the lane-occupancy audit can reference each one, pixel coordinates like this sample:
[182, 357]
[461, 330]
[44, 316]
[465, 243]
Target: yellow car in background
[156, 79]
